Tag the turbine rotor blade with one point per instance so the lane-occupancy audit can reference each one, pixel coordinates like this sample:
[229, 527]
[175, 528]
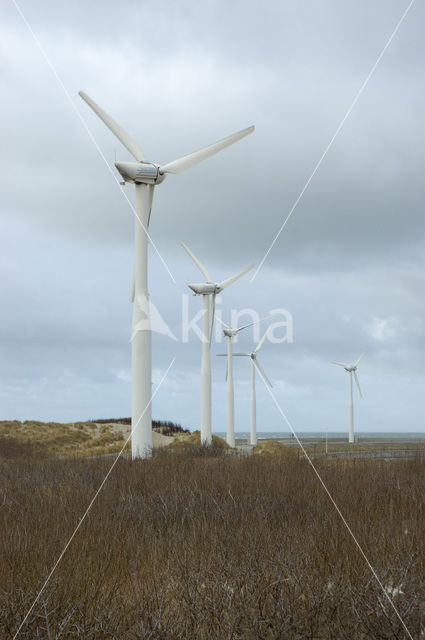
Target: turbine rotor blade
[133, 147]
[229, 281]
[181, 164]
[341, 364]
[263, 373]
[227, 371]
[241, 354]
[357, 383]
[251, 324]
[259, 345]
[361, 356]
[197, 262]
[223, 323]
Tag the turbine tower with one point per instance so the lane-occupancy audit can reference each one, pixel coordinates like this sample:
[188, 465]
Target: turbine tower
[351, 368]
[208, 290]
[254, 364]
[230, 333]
[145, 175]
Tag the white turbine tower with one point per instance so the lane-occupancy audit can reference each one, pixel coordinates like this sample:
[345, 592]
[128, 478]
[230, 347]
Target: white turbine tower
[145, 176]
[230, 333]
[351, 368]
[208, 290]
[254, 364]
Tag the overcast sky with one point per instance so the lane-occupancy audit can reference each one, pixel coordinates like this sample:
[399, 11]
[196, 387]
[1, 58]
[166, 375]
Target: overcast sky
[349, 266]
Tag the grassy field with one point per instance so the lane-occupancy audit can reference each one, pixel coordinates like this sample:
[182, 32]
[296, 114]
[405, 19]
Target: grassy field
[189, 547]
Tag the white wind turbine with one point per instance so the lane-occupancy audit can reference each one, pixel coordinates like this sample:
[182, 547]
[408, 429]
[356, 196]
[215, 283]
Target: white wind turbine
[230, 333]
[145, 176]
[351, 368]
[254, 364]
[208, 290]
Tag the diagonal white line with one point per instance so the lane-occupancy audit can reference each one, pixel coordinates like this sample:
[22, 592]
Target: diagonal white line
[338, 510]
[332, 140]
[91, 503]
[83, 122]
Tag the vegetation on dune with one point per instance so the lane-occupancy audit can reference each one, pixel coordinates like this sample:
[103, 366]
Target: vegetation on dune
[166, 427]
[57, 439]
[191, 445]
[273, 448]
[233, 548]
[74, 439]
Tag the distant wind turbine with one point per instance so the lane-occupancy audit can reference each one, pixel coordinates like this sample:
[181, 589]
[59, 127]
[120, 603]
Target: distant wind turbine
[254, 364]
[230, 333]
[145, 175]
[208, 290]
[351, 368]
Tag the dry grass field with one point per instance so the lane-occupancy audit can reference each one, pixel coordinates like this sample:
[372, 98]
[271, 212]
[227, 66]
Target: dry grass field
[210, 546]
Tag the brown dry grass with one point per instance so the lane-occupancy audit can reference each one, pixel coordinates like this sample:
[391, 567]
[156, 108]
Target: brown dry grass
[189, 548]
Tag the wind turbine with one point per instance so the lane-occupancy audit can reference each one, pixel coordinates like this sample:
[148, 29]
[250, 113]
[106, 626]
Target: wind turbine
[351, 368]
[230, 333]
[208, 290]
[145, 176]
[254, 364]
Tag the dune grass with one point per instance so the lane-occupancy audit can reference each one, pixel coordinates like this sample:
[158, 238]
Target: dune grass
[274, 448]
[76, 439]
[185, 547]
[55, 439]
[191, 445]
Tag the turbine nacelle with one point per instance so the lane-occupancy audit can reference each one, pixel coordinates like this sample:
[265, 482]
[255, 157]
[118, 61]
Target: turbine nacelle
[205, 289]
[140, 172]
[350, 368]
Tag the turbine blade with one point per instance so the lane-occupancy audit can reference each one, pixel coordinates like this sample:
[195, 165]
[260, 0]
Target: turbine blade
[259, 345]
[361, 356]
[241, 354]
[341, 364]
[227, 371]
[197, 262]
[357, 383]
[251, 324]
[212, 312]
[181, 164]
[263, 373]
[223, 323]
[229, 281]
[130, 144]
[222, 355]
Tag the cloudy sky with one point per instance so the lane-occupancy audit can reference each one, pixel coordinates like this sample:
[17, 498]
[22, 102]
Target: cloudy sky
[349, 267]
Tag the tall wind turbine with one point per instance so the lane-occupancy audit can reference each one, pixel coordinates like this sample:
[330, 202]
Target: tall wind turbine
[230, 333]
[145, 175]
[351, 368]
[208, 290]
[255, 363]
